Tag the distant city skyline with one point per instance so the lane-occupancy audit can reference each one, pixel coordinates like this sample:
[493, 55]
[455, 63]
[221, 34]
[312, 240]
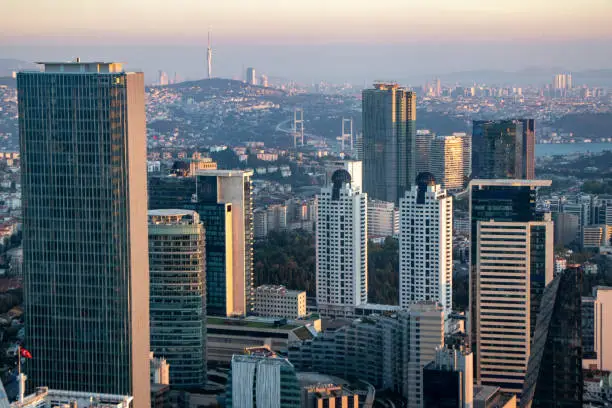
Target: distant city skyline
[331, 41]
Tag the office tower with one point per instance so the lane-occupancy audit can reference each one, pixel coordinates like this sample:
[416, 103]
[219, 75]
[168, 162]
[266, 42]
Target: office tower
[503, 149]
[446, 161]
[263, 81]
[260, 223]
[566, 228]
[389, 116]
[177, 296]
[438, 88]
[467, 152]
[595, 236]
[423, 139]
[342, 251]
[260, 378]
[278, 301]
[554, 375]
[448, 380]
[82, 136]
[562, 82]
[354, 168]
[383, 219]
[388, 352]
[223, 200]
[426, 245]
[276, 217]
[359, 146]
[596, 331]
[250, 76]
[163, 78]
[511, 248]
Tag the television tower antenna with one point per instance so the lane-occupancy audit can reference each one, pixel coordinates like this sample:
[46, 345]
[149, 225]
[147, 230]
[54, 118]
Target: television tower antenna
[209, 56]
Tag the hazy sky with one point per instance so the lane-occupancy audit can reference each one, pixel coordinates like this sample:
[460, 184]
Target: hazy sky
[309, 21]
[314, 38]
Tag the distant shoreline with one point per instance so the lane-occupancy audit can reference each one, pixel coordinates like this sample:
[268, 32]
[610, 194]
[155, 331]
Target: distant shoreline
[566, 149]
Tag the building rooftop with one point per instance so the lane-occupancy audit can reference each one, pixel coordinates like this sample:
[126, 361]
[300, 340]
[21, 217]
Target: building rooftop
[78, 67]
[224, 173]
[278, 289]
[252, 322]
[46, 398]
[511, 182]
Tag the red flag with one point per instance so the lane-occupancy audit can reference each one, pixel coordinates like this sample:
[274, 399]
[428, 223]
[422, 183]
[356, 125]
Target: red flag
[25, 353]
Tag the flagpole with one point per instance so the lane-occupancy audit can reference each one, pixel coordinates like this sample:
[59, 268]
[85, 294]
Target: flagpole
[19, 360]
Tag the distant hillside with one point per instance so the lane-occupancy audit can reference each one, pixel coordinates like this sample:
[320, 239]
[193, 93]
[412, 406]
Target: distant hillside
[8, 81]
[8, 65]
[223, 85]
[586, 124]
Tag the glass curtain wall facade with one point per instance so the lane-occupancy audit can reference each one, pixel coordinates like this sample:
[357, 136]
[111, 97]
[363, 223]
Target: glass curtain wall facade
[389, 141]
[226, 212]
[503, 149]
[554, 375]
[83, 152]
[178, 294]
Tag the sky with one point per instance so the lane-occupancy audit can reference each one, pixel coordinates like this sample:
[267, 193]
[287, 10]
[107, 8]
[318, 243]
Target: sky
[316, 38]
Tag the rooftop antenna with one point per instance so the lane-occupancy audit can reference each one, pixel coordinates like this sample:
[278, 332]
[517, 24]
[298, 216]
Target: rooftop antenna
[209, 55]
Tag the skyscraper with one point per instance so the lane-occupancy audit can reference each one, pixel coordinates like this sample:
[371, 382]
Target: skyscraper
[448, 380]
[554, 375]
[511, 261]
[83, 157]
[426, 244]
[251, 77]
[423, 139]
[596, 330]
[503, 149]
[467, 152]
[389, 115]
[341, 251]
[223, 200]
[178, 294]
[446, 161]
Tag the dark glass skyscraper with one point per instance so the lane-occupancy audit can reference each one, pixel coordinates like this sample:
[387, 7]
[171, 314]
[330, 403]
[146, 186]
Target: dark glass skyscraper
[554, 375]
[503, 149]
[223, 200]
[178, 294]
[389, 141]
[83, 152]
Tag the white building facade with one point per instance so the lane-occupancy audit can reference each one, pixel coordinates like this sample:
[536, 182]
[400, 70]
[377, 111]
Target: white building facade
[383, 219]
[341, 251]
[426, 247]
[278, 301]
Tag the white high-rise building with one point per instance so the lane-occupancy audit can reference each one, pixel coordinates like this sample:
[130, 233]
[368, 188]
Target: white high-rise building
[342, 268]
[426, 244]
[603, 330]
[446, 161]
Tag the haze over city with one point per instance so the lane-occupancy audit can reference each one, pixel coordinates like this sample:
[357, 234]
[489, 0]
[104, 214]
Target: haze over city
[339, 40]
